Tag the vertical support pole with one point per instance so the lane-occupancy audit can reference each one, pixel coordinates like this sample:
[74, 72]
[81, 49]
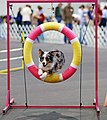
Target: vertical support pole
[8, 62]
[8, 55]
[22, 41]
[8, 101]
[81, 39]
[96, 54]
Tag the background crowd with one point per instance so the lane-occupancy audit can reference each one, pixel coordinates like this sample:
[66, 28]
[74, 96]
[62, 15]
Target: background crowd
[62, 14]
[28, 16]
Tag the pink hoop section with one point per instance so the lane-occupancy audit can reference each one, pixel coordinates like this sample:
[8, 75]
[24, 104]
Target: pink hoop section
[53, 78]
[67, 32]
[34, 70]
[68, 72]
[35, 33]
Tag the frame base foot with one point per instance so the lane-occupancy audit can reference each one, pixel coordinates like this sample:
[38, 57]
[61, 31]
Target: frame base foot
[8, 106]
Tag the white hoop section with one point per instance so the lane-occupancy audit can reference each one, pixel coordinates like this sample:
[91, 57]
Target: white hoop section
[53, 78]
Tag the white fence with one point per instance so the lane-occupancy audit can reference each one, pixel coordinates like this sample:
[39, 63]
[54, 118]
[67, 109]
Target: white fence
[56, 37]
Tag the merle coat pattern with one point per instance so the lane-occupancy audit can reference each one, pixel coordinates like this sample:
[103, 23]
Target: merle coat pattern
[50, 62]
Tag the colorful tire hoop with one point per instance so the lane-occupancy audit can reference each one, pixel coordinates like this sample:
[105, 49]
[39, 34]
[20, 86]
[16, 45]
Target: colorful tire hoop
[53, 78]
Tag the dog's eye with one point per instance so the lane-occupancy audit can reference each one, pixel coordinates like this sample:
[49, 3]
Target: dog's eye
[41, 59]
[47, 58]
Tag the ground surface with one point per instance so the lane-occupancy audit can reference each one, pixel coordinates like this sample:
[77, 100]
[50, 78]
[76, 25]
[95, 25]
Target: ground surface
[64, 93]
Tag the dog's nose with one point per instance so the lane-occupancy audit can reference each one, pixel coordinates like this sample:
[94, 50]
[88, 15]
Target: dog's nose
[43, 64]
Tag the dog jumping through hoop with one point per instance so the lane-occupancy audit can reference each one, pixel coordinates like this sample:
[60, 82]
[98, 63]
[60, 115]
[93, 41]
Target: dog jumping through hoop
[50, 62]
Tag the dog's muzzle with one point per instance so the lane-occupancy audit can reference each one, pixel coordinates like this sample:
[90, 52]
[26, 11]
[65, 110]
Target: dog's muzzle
[44, 65]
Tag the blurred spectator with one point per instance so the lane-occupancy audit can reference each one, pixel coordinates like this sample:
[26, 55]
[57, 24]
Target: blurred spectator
[83, 16]
[40, 18]
[39, 15]
[19, 20]
[83, 23]
[1, 19]
[99, 14]
[68, 18]
[79, 14]
[90, 14]
[75, 18]
[26, 15]
[31, 13]
[58, 13]
[31, 9]
[5, 19]
[19, 17]
[104, 17]
[49, 19]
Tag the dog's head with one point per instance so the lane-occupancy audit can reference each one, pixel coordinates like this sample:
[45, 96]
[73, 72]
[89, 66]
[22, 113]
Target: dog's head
[46, 59]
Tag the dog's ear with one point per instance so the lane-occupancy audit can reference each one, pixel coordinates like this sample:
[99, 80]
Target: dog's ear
[40, 52]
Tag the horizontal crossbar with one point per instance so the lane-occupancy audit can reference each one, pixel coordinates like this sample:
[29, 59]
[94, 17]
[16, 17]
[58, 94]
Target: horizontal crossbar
[15, 58]
[11, 106]
[11, 69]
[53, 106]
[47, 1]
[12, 50]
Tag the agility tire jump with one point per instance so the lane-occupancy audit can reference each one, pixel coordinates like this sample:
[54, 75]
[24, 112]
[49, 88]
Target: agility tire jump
[53, 78]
